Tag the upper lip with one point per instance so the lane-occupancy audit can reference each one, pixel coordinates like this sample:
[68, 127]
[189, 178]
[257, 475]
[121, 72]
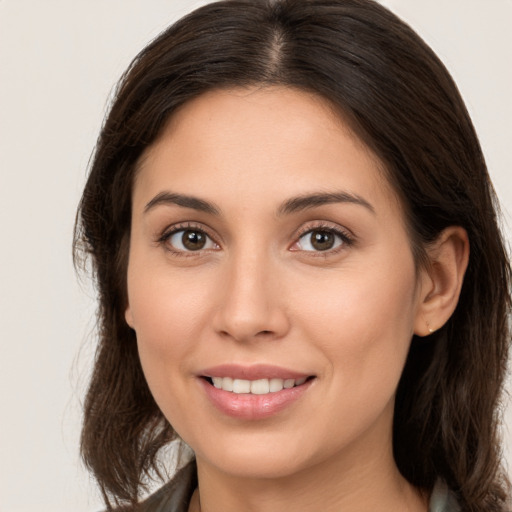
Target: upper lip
[252, 372]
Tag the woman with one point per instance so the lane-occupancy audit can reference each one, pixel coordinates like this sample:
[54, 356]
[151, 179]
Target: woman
[300, 272]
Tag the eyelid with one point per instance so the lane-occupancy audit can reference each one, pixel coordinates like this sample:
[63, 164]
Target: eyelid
[324, 224]
[171, 230]
[347, 237]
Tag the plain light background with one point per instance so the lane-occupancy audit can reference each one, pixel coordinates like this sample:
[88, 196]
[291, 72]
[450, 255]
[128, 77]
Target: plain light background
[58, 63]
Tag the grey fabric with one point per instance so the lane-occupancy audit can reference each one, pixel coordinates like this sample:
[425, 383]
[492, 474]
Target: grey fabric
[175, 496]
[442, 499]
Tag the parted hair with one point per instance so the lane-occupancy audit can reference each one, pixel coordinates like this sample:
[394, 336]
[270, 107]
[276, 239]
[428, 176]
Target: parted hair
[401, 101]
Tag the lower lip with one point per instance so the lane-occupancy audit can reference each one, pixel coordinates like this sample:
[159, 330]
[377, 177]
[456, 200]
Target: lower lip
[253, 407]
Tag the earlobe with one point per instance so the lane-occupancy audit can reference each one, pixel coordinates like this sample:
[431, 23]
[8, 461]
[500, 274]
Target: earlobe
[129, 317]
[448, 257]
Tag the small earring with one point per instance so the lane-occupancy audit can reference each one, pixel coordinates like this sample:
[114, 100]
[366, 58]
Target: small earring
[430, 330]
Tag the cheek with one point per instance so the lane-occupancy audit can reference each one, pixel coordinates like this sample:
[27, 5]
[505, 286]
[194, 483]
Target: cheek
[164, 306]
[363, 321]
[362, 325]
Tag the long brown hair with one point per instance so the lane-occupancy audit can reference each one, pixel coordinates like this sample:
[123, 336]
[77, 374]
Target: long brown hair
[404, 105]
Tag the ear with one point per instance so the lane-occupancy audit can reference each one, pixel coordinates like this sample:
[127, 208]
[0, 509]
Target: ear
[441, 282]
[128, 316]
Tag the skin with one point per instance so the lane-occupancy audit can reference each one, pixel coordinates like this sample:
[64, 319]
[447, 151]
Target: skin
[258, 292]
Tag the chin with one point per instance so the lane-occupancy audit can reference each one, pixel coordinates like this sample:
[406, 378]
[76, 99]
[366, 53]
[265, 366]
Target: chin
[264, 455]
[259, 465]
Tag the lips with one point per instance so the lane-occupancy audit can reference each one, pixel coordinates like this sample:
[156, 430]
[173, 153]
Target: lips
[253, 392]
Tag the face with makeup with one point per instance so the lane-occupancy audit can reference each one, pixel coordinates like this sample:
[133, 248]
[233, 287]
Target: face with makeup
[271, 285]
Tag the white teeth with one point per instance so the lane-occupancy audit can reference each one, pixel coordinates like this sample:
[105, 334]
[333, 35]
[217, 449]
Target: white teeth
[276, 385]
[289, 383]
[255, 387]
[260, 387]
[241, 386]
[227, 384]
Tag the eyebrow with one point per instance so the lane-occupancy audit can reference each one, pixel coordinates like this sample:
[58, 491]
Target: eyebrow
[292, 205]
[305, 202]
[168, 198]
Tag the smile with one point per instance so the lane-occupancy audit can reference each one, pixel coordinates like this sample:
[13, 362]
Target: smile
[253, 392]
[255, 387]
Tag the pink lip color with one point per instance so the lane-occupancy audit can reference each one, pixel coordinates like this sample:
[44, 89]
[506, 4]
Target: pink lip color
[253, 372]
[246, 405]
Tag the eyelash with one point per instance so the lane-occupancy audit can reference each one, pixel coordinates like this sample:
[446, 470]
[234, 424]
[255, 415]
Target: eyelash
[347, 239]
[176, 228]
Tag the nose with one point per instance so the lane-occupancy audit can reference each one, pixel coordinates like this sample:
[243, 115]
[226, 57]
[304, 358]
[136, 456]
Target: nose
[251, 303]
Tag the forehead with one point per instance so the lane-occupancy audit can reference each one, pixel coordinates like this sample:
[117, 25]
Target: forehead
[260, 142]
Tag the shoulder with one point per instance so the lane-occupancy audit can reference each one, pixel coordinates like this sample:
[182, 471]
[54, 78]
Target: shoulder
[174, 496]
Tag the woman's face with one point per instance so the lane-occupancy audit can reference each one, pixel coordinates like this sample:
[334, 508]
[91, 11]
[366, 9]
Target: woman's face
[268, 251]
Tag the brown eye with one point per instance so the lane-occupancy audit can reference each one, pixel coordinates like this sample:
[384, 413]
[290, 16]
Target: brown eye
[193, 240]
[190, 240]
[318, 240]
[322, 240]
